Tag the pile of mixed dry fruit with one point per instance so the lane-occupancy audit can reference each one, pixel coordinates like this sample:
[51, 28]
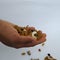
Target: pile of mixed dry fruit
[29, 31]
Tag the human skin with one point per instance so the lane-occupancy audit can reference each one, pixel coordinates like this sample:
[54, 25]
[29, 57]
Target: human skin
[10, 37]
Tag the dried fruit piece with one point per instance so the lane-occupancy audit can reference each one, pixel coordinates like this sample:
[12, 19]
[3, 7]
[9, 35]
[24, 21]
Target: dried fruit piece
[43, 44]
[17, 28]
[39, 50]
[23, 53]
[34, 59]
[34, 34]
[29, 52]
[21, 30]
[39, 34]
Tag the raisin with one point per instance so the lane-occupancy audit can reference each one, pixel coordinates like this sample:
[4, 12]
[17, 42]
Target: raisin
[39, 50]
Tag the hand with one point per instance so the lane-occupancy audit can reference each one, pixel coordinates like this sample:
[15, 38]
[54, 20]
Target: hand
[10, 37]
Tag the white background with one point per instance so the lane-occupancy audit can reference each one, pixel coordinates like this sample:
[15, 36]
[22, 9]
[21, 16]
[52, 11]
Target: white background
[42, 14]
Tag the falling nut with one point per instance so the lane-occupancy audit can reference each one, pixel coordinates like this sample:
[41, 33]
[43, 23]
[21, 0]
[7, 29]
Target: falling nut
[29, 52]
[34, 59]
[43, 44]
[23, 53]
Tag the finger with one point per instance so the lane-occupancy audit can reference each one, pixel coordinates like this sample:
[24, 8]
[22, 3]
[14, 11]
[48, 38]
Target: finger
[30, 45]
[25, 45]
[43, 39]
[34, 42]
[18, 46]
[26, 39]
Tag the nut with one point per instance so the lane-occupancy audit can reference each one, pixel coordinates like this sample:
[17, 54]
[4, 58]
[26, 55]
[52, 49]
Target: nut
[29, 52]
[23, 53]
